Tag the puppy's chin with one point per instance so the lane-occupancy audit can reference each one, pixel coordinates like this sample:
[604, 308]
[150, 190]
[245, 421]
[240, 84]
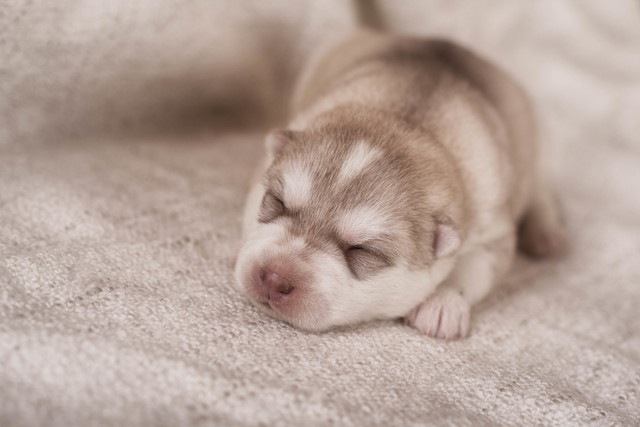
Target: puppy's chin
[309, 313]
[308, 322]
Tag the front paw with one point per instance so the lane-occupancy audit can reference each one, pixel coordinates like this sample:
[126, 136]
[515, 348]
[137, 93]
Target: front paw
[444, 315]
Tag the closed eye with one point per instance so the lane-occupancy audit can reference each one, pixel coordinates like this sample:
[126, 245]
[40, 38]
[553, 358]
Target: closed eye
[365, 260]
[272, 207]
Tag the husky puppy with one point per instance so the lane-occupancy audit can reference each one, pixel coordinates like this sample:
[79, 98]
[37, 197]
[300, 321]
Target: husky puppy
[401, 187]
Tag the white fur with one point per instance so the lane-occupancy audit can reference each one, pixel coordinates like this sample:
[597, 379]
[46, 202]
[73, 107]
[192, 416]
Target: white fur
[445, 314]
[266, 240]
[390, 294]
[297, 186]
[262, 238]
[488, 232]
[474, 275]
[360, 156]
[363, 223]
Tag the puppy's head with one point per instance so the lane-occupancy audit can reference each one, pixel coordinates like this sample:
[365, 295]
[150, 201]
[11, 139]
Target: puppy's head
[347, 226]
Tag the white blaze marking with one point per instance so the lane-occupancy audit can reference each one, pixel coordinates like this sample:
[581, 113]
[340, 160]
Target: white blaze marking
[297, 244]
[360, 156]
[297, 186]
[362, 223]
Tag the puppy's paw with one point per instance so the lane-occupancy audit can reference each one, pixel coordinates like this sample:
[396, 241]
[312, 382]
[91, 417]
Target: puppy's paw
[444, 315]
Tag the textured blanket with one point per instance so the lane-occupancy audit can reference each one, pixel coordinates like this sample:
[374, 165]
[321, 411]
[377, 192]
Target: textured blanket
[120, 200]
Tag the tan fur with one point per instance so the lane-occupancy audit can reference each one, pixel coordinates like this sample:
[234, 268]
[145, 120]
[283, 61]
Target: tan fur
[455, 145]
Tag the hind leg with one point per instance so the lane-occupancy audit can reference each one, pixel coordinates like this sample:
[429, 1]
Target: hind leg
[542, 232]
[445, 314]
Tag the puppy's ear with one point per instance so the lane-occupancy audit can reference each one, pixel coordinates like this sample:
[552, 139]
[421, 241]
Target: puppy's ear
[276, 140]
[447, 240]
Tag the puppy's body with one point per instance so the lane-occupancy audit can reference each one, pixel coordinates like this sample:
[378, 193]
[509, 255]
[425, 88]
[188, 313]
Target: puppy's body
[398, 191]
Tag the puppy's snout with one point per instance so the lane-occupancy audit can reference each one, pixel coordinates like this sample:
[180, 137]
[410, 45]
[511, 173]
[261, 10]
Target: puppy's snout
[275, 285]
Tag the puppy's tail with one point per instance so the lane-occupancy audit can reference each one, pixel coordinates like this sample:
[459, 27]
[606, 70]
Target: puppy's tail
[542, 231]
[367, 14]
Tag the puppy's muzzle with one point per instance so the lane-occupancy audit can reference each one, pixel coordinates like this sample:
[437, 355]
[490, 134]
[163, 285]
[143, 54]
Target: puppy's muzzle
[273, 286]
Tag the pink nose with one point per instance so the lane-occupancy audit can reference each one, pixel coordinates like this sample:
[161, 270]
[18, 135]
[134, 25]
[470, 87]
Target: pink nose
[275, 286]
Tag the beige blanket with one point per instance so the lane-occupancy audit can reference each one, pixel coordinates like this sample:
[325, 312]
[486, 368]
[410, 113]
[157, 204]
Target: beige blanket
[119, 205]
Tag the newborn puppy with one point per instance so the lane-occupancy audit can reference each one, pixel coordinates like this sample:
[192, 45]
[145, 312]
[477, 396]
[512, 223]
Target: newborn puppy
[399, 190]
